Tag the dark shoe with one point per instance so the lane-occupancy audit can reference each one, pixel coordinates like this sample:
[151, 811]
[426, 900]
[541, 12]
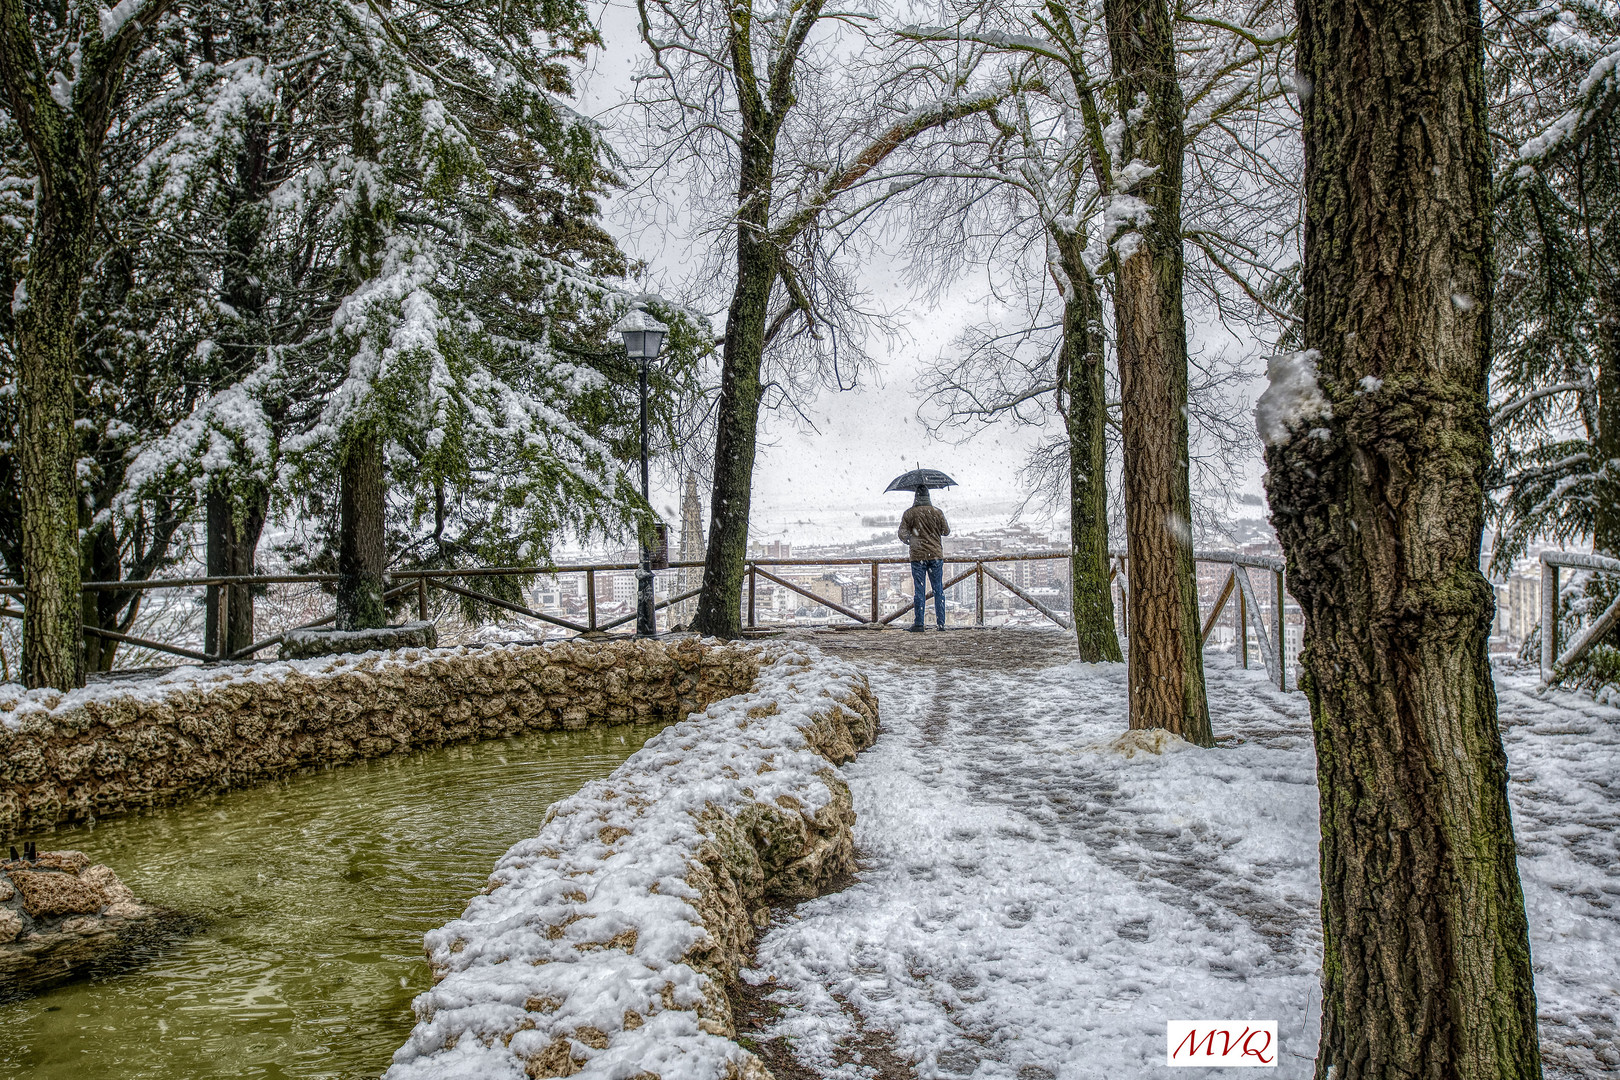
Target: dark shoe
[942, 626]
[919, 628]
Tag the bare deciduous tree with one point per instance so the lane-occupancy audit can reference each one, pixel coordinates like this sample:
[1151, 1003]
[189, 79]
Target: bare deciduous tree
[1045, 180]
[770, 119]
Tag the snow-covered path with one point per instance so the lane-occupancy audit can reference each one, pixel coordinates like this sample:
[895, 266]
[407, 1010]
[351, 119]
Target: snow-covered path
[1564, 783]
[1034, 903]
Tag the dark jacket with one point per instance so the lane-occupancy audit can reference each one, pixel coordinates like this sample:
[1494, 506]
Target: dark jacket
[921, 527]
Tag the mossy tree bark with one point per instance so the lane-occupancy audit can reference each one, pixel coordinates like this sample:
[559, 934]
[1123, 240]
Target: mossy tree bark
[47, 360]
[233, 539]
[764, 99]
[64, 139]
[362, 546]
[362, 477]
[719, 610]
[1080, 377]
[1166, 659]
[1426, 968]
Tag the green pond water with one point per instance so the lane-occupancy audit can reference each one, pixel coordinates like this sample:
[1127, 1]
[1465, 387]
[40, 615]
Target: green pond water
[314, 894]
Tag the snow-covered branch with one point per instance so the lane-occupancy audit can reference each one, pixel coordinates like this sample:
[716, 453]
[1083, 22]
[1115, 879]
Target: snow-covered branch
[1508, 409]
[1595, 100]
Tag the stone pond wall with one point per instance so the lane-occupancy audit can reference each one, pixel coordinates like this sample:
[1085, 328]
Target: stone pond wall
[605, 946]
[116, 746]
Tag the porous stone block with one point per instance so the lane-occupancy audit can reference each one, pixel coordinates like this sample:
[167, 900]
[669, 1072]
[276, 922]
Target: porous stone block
[49, 894]
[59, 913]
[72, 862]
[302, 644]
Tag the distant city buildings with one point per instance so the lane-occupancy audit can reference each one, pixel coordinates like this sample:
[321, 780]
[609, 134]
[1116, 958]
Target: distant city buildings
[811, 590]
[1518, 608]
[775, 549]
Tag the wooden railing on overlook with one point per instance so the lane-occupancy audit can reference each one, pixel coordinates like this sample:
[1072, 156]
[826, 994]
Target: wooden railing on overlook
[982, 568]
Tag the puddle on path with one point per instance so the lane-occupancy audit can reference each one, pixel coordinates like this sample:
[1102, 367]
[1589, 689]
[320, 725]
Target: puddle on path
[316, 892]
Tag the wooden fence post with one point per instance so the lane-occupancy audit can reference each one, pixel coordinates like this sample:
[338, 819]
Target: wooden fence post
[978, 618]
[1549, 619]
[590, 599]
[1124, 604]
[421, 598]
[222, 623]
[1243, 628]
[875, 594]
[753, 581]
[1282, 652]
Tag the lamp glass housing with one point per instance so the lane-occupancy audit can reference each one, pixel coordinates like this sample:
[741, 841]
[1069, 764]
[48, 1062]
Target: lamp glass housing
[642, 334]
[643, 344]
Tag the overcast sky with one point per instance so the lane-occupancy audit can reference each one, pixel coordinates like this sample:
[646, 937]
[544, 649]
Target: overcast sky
[815, 485]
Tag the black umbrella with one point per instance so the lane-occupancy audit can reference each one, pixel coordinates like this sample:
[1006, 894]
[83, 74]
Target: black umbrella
[916, 478]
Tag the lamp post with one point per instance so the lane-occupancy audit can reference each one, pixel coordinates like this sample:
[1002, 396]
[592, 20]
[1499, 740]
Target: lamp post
[643, 341]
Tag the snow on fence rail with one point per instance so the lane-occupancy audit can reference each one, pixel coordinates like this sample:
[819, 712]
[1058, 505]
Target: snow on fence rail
[862, 604]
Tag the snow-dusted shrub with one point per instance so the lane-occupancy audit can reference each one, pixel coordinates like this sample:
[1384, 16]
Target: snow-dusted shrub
[603, 946]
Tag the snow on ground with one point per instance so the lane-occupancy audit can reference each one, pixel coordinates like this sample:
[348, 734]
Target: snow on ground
[1564, 782]
[1035, 904]
[594, 951]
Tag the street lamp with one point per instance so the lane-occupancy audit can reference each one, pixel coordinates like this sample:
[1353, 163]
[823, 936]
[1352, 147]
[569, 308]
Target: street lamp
[643, 341]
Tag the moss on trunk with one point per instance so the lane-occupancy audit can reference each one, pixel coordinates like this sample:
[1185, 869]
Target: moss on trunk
[1426, 960]
[362, 549]
[1085, 408]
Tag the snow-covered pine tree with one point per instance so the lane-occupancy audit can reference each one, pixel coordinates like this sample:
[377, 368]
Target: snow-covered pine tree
[1555, 82]
[408, 276]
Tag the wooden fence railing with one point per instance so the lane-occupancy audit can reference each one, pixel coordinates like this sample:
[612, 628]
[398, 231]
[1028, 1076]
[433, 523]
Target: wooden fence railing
[1554, 663]
[982, 568]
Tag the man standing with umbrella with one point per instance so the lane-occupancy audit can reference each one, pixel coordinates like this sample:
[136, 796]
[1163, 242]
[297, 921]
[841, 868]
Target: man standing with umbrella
[921, 527]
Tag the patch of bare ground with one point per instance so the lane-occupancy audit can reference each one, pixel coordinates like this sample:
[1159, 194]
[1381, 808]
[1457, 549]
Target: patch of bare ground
[755, 1014]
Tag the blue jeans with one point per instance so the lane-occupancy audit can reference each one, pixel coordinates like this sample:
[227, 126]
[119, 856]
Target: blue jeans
[935, 571]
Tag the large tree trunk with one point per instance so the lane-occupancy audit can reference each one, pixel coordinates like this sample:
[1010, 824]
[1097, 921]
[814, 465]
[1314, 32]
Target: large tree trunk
[64, 140]
[719, 604]
[1086, 413]
[233, 540]
[362, 481]
[47, 359]
[362, 548]
[1379, 505]
[1166, 659]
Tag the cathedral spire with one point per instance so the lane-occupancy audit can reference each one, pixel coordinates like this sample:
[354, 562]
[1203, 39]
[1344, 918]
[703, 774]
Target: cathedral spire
[692, 548]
